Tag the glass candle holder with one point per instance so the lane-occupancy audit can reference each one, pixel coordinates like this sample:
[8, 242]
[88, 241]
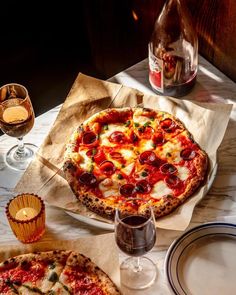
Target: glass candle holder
[26, 216]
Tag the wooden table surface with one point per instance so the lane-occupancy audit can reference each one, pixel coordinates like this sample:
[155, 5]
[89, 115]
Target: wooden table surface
[218, 204]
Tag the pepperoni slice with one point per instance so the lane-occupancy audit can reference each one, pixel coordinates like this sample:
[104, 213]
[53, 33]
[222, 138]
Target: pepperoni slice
[88, 179]
[127, 190]
[158, 138]
[168, 168]
[146, 132]
[107, 167]
[187, 154]
[133, 137]
[116, 155]
[172, 181]
[143, 187]
[89, 137]
[99, 157]
[168, 125]
[91, 153]
[148, 157]
[117, 137]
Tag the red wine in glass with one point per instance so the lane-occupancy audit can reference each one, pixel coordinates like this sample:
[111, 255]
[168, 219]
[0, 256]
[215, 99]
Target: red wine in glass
[138, 239]
[135, 235]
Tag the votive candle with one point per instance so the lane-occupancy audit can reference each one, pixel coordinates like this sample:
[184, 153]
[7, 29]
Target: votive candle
[26, 216]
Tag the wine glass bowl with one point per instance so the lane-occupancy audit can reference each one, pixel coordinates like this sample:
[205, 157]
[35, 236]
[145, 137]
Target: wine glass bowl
[16, 120]
[135, 235]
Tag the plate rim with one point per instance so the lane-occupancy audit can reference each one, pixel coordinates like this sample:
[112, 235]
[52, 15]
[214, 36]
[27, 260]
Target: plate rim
[110, 226]
[91, 221]
[177, 241]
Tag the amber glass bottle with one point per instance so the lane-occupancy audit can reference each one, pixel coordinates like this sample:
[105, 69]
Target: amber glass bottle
[173, 51]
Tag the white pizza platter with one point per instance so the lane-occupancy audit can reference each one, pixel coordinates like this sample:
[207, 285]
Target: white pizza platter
[203, 261]
[110, 226]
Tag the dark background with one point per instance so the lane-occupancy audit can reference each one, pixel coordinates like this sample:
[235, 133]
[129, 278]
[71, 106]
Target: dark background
[44, 45]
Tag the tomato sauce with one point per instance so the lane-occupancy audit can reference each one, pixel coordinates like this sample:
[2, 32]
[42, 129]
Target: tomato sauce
[81, 283]
[32, 273]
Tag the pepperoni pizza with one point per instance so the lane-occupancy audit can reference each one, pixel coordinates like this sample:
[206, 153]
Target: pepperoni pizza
[54, 273]
[120, 154]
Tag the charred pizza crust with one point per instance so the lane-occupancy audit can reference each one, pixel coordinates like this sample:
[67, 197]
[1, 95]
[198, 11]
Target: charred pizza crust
[53, 272]
[78, 264]
[160, 135]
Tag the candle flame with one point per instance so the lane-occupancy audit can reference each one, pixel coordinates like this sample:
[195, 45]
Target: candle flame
[135, 16]
[25, 213]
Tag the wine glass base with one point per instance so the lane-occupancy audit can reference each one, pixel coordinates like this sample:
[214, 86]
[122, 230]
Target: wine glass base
[138, 279]
[20, 162]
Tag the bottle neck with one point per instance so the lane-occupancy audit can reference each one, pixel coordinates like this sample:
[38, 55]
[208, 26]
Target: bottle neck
[173, 50]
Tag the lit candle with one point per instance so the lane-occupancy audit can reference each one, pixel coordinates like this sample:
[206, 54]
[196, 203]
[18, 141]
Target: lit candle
[26, 216]
[26, 213]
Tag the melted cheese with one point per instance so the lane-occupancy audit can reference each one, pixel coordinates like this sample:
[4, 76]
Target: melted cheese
[160, 189]
[85, 161]
[183, 172]
[127, 154]
[146, 145]
[137, 112]
[173, 150]
[128, 169]
[75, 157]
[110, 187]
[140, 119]
[106, 133]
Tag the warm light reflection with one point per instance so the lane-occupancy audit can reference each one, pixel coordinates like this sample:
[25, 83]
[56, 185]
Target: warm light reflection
[135, 16]
[210, 74]
[139, 83]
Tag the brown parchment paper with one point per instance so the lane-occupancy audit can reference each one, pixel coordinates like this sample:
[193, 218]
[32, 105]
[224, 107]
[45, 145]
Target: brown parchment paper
[102, 244]
[207, 123]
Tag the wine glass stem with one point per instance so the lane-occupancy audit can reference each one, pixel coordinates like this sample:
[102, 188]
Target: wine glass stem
[20, 152]
[137, 266]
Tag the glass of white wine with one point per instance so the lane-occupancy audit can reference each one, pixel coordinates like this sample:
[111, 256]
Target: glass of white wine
[16, 120]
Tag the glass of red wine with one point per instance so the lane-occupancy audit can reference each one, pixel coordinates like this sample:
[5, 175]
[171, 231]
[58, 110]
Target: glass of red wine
[136, 235]
[16, 120]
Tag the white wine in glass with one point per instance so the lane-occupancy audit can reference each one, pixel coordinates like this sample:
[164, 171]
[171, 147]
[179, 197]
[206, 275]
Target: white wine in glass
[16, 120]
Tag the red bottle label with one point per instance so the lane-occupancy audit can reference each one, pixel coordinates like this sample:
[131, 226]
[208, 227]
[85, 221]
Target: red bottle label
[155, 72]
